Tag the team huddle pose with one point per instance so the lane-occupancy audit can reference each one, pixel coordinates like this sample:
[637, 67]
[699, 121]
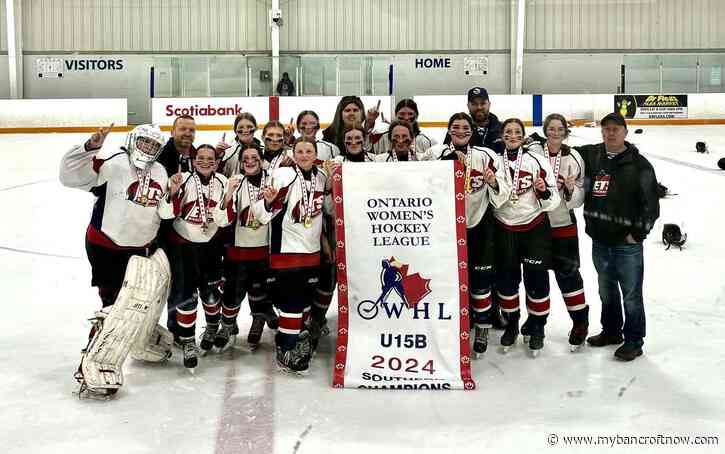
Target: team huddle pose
[173, 224]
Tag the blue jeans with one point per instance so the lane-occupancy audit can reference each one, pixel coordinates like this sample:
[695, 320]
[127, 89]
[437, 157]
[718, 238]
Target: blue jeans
[621, 267]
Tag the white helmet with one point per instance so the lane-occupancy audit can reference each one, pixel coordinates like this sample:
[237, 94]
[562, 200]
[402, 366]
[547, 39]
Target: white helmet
[144, 144]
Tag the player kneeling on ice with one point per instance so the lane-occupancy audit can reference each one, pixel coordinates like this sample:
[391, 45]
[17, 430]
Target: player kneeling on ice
[131, 273]
[568, 168]
[248, 256]
[293, 206]
[523, 237]
[191, 202]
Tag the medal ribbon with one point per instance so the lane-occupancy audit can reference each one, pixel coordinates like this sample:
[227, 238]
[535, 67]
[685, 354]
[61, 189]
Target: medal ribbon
[142, 193]
[555, 163]
[201, 202]
[517, 170]
[307, 198]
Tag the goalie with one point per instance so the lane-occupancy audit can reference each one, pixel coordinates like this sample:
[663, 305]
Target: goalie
[131, 273]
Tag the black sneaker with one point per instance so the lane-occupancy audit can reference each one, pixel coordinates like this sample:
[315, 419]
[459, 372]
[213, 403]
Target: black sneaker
[603, 339]
[628, 351]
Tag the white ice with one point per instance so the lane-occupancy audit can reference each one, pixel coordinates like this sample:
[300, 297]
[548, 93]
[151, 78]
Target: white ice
[237, 402]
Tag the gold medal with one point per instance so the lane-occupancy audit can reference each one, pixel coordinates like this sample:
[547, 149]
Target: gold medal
[469, 188]
[514, 198]
[308, 222]
[144, 200]
[255, 224]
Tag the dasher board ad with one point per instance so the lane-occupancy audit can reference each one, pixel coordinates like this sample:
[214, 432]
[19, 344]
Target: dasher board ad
[402, 277]
[651, 107]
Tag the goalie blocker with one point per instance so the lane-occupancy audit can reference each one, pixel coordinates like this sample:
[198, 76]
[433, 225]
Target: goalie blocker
[128, 326]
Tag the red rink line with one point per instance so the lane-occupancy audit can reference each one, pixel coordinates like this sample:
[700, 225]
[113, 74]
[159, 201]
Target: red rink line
[246, 424]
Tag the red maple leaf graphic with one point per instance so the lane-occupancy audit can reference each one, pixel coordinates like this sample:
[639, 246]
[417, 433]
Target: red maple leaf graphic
[415, 286]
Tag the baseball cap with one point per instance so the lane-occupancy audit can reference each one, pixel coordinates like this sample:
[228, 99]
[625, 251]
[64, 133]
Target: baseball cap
[477, 92]
[615, 118]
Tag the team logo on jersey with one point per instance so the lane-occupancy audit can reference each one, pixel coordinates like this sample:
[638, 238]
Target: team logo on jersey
[601, 186]
[151, 199]
[526, 181]
[299, 210]
[191, 213]
[400, 290]
[477, 181]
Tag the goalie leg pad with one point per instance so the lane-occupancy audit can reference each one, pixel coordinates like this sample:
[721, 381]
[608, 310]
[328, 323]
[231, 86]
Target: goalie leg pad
[129, 323]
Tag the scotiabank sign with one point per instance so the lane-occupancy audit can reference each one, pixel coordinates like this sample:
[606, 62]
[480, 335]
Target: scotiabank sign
[209, 111]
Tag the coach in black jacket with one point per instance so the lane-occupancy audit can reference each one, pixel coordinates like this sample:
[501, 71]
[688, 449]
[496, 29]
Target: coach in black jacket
[620, 208]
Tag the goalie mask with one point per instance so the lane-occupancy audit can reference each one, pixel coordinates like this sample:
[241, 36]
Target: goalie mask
[672, 235]
[144, 144]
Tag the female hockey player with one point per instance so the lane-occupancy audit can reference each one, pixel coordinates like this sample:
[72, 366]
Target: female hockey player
[245, 125]
[308, 124]
[193, 254]
[485, 180]
[128, 185]
[568, 169]
[406, 110]
[350, 111]
[400, 136]
[293, 205]
[249, 253]
[523, 237]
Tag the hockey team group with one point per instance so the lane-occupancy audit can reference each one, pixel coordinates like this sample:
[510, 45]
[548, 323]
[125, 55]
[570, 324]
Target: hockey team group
[173, 224]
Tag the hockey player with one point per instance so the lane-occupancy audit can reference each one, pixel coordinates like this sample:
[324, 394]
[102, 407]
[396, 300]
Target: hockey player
[248, 255]
[308, 124]
[293, 206]
[128, 185]
[400, 136]
[485, 181]
[354, 142]
[406, 110]
[568, 169]
[523, 237]
[350, 111]
[191, 201]
[245, 125]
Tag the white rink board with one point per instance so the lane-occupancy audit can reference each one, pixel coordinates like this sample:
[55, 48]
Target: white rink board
[62, 113]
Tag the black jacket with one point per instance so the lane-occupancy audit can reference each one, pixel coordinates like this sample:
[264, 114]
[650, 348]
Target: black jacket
[488, 136]
[621, 194]
[170, 159]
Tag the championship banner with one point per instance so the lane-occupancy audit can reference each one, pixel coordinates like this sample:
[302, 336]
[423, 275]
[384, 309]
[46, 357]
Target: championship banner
[651, 107]
[402, 277]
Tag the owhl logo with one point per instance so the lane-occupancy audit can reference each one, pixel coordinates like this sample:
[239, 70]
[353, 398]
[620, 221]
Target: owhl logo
[395, 280]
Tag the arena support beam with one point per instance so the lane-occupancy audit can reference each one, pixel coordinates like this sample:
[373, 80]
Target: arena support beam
[15, 48]
[275, 22]
[518, 29]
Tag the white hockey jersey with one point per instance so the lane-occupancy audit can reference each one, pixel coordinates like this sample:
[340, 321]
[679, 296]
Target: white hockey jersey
[480, 194]
[188, 213]
[125, 211]
[293, 244]
[529, 208]
[570, 163]
[251, 236]
[326, 150]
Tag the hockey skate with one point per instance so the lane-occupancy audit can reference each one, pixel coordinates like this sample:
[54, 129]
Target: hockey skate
[206, 342]
[526, 331]
[297, 360]
[578, 335]
[191, 353]
[255, 331]
[480, 341]
[510, 334]
[317, 330]
[225, 337]
[536, 339]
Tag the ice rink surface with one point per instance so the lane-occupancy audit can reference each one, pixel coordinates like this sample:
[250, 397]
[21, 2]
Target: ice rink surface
[236, 402]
